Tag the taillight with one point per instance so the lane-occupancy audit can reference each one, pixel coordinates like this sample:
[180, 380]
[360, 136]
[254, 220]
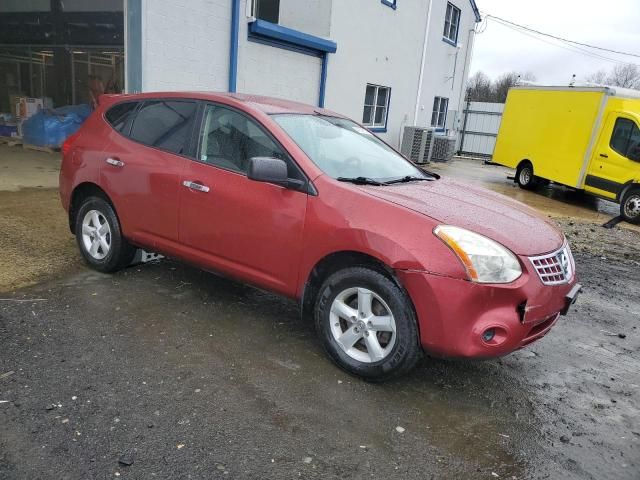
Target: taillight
[66, 146]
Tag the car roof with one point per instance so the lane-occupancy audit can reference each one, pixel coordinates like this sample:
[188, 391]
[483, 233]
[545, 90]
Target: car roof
[264, 104]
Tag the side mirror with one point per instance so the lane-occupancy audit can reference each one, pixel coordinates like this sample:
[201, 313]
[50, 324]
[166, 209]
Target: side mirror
[268, 170]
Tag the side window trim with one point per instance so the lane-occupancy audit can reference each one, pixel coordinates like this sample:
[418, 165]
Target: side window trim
[144, 101]
[308, 186]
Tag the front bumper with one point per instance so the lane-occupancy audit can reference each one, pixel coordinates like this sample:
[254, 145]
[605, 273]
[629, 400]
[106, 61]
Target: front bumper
[455, 315]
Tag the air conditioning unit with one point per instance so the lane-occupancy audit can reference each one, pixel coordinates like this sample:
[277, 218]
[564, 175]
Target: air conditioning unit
[417, 144]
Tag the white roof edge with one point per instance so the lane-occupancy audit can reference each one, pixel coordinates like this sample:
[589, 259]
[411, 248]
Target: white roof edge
[609, 90]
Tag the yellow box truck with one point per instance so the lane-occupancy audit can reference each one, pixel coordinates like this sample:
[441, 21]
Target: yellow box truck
[587, 138]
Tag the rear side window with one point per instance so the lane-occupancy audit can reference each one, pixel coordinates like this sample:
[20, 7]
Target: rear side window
[120, 116]
[164, 124]
[626, 138]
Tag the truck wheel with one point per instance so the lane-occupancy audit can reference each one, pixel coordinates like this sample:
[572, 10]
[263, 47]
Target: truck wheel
[367, 324]
[525, 177]
[630, 206]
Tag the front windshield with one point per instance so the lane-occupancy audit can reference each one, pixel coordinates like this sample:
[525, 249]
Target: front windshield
[343, 149]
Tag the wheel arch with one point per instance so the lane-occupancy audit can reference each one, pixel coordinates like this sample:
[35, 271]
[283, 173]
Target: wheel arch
[524, 161]
[336, 261]
[630, 185]
[80, 192]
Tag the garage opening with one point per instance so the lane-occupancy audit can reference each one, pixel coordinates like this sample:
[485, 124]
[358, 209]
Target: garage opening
[56, 53]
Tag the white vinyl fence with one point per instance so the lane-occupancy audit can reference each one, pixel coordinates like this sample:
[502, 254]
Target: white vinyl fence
[480, 125]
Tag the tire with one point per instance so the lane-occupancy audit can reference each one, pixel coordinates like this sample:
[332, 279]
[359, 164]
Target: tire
[112, 251]
[525, 177]
[387, 319]
[630, 206]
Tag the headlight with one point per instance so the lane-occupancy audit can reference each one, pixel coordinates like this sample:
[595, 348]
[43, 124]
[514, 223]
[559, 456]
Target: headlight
[486, 261]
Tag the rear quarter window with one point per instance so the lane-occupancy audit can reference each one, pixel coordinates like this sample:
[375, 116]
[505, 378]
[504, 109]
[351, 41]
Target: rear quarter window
[120, 116]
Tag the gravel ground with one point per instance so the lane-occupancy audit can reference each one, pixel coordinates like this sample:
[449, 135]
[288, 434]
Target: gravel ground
[186, 375]
[164, 371]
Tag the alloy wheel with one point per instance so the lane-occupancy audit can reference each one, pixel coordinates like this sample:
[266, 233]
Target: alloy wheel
[96, 234]
[363, 325]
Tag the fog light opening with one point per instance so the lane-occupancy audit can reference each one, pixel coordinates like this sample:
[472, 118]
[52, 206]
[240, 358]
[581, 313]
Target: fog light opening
[488, 335]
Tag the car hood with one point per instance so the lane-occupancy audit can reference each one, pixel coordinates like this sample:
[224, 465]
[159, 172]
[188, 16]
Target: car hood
[500, 218]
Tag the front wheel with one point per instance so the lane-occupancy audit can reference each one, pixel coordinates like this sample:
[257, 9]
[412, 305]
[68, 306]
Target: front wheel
[367, 325]
[630, 206]
[99, 236]
[525, 177]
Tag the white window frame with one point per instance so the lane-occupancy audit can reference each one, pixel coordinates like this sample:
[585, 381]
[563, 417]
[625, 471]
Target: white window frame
[439, 114]
[449, 23]
[375, 107]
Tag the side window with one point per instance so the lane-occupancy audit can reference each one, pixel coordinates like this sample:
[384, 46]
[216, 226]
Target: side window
[229, 139]
[626, 139]
[451, 24]
[439, 112]
[164, 124]
[120, 116]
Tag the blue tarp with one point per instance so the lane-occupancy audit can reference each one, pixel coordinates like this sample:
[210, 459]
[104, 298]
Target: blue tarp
[50, 128]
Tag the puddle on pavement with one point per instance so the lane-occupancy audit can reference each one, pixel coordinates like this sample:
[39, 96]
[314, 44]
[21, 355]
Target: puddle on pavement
[554, 200]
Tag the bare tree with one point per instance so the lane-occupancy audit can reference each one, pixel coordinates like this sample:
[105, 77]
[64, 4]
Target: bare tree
[479, 88]
[626, 76]
[506, 81]
[599, 77]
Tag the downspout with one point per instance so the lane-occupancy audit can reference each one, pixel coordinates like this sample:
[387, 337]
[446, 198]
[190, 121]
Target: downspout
[323, 79]
[462, 84]
[422, 62]
[233, 48]
[472, 37]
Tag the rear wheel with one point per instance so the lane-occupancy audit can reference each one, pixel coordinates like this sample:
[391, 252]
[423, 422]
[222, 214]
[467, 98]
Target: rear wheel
[630, 206]
[367, 325]
[525, 177]
[99, 236]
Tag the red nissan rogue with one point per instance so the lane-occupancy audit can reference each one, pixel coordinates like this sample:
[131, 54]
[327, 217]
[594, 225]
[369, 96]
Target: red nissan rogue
[387, 259]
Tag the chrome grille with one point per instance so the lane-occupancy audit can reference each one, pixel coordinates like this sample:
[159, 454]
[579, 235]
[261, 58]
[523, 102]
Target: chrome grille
[554, 268]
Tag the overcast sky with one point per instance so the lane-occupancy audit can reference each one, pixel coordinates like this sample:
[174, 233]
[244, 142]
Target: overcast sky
[613, 24]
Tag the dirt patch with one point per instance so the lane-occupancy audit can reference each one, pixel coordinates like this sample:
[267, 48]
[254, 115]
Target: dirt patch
[34, 238]
[617, 243]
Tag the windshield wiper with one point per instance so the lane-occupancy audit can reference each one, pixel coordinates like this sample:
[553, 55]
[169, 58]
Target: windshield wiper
[408, 178]
[360, 180]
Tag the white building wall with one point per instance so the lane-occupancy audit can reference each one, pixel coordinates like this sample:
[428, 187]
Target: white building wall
[442, 60]
[308, 16]
[276, 72]
[185, 44]
[377, 45]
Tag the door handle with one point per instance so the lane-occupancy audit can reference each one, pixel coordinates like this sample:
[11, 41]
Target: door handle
[115, 162]
[604, 155]
[195, 186]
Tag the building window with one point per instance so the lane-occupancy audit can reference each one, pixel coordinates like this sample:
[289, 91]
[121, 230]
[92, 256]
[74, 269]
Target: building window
[376, 105]
[439, 115]
[390, 3]
[267, 10]
[451, 24]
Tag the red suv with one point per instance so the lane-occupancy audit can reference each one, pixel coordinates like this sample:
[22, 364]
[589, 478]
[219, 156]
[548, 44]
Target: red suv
[387, 259]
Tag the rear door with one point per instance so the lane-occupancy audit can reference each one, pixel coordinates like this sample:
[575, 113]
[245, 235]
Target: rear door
[147, 153]
[617, 159]
[228, 223]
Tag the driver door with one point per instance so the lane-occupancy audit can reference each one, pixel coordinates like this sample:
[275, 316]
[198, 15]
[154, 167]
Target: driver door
[616, 160]
[228, 223]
